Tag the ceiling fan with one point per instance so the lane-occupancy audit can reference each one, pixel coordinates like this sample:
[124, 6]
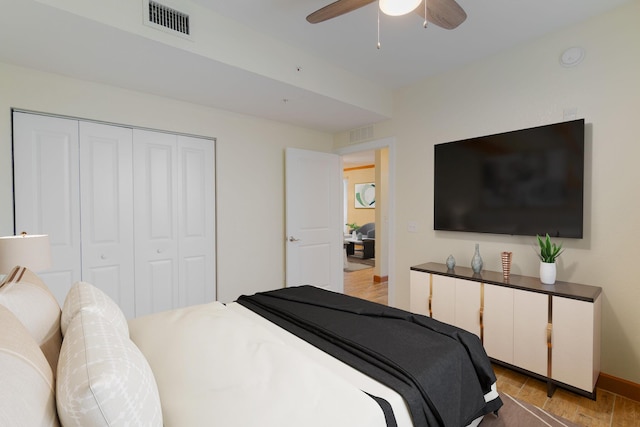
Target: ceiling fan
[444, 13]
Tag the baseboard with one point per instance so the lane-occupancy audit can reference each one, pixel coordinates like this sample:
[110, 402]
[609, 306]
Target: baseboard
[619, 386]
[378, 279]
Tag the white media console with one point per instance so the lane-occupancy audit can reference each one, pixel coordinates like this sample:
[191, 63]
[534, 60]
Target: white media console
[551, 332]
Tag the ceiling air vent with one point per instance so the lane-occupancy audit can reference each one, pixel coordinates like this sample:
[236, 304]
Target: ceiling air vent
[168, 18]
[362, 134]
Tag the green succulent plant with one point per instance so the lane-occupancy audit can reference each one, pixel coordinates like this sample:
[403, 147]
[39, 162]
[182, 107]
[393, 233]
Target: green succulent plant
[352, 226]
[549, 252]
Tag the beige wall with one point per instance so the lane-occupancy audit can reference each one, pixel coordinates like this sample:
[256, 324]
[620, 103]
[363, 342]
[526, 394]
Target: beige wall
[359, 176]
[527, 87]
[250, 206]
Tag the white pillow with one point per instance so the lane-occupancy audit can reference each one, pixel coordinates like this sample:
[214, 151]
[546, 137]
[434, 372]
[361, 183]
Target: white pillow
[103, 378]
[31, 301]
[85, 296]
[27, 394]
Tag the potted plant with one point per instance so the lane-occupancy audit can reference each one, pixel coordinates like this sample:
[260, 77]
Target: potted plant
[549, 252]
[352, 227]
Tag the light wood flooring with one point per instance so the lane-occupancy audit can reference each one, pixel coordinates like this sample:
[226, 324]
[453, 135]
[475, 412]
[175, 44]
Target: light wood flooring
[608, 410]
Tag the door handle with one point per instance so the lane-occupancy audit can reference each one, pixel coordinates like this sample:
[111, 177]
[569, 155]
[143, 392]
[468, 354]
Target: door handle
[293, 239]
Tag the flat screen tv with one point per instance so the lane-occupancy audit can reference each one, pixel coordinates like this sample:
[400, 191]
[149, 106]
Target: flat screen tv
[523, 182]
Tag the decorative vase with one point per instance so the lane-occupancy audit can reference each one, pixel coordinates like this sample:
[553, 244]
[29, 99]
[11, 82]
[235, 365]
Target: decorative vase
[476, 261]
[548, 272]
[506, 265]
[451, 262]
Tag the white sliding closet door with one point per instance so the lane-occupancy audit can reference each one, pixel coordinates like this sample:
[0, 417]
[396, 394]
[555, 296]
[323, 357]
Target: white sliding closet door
[47, 201]
[196, 216]
[130, 211]
[155, 191]
[174, 218]
[106, 194]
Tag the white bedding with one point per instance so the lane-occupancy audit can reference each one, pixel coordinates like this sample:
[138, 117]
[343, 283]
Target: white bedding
[226, 365]
[353, 376]
[217, 365]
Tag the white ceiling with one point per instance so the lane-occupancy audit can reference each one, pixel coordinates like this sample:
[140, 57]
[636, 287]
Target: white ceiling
[35, 35]
[408, 51]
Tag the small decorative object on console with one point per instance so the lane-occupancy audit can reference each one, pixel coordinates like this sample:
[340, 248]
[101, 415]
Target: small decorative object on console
[506, 265]
[451, 262]
[476, 261]
[549, 252]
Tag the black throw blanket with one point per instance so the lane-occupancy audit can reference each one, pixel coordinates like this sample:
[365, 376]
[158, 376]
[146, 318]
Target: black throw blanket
[441, 371]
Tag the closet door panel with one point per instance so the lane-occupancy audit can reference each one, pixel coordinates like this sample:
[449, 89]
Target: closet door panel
[196, 240]
[106, 187]
[161, 294]
[46, 196]
[155, 221]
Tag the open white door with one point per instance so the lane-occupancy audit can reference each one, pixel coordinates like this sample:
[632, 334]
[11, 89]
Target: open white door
[314, 219]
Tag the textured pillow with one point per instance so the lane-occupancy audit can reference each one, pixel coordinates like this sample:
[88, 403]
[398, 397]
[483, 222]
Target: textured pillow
[85, 296]
[103, 378]
[27, 395]
[31, 301]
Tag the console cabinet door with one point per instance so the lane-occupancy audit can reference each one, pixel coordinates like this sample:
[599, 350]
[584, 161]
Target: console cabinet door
[530, 320]
[420, 287]
[576, 342]
[467, 306]
[443, 299]
[498, 322]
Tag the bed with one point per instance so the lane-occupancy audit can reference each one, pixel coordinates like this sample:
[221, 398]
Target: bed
[292, 357]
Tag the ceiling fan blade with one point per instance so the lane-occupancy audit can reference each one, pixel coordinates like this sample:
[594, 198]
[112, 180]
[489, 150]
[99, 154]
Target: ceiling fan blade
[444, 13]
[335, 9]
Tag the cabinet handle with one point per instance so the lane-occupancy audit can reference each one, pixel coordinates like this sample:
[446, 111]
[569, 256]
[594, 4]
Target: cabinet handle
[430, 311]
[549, 332]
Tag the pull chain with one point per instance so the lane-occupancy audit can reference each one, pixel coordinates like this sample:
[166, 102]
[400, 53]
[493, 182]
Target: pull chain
[378, 45]
[424, 25]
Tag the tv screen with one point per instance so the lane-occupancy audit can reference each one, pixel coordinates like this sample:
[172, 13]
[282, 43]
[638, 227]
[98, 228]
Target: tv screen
[524, 182]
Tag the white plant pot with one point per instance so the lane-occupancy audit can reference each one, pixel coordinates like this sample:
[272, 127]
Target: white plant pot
[548, 272]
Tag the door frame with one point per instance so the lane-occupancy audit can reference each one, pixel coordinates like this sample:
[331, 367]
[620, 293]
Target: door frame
[390, 144]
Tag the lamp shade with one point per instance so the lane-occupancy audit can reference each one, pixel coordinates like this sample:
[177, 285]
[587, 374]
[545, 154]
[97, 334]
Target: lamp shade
[398, 7]
[27, 250]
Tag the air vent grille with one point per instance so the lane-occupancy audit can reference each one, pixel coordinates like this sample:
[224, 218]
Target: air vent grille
[361, 134]
[168, 18]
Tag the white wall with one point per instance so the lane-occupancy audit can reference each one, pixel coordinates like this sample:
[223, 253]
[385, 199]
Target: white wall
[250, 164]
[527, 87]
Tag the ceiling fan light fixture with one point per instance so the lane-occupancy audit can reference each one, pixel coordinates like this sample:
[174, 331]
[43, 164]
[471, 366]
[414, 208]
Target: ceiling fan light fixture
[398, 7]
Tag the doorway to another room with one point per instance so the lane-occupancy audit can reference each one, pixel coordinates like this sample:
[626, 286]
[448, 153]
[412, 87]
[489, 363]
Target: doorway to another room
[365, 188]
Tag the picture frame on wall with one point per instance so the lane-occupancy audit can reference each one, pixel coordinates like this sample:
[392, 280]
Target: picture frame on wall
[365, 195]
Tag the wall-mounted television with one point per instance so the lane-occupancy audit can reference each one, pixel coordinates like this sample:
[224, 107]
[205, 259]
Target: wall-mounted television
[523, 182]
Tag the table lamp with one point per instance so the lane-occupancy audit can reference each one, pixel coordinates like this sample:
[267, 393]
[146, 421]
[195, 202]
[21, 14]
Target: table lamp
[27, 250]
